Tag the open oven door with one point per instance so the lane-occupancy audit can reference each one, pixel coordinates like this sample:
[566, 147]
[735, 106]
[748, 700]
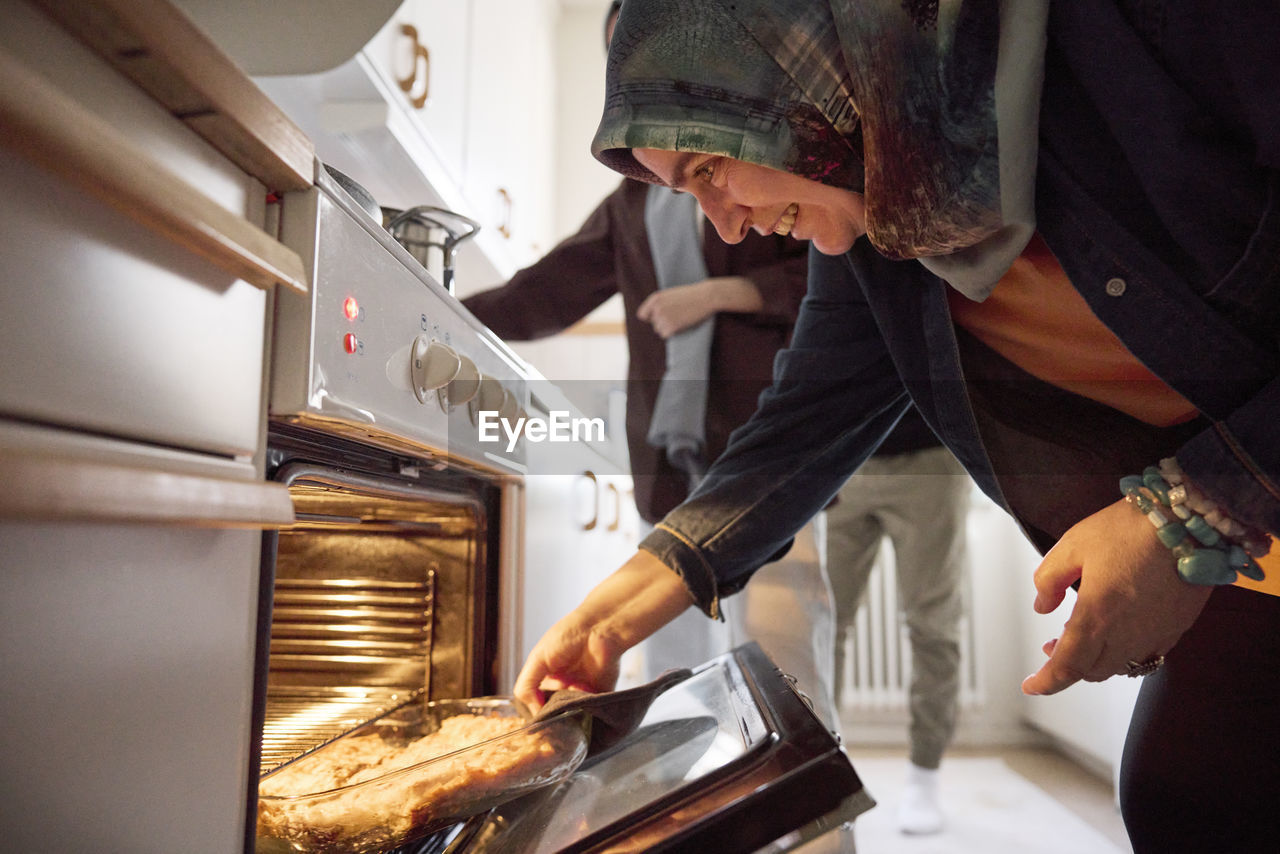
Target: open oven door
[730, 760]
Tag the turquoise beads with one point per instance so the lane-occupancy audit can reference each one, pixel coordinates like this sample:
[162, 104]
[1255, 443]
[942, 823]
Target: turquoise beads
[1203, 556]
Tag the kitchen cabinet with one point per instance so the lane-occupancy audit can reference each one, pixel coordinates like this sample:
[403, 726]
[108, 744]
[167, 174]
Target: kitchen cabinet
[422, 56]
[508, 179]
[138, 273]
[581, 521]
[141, 317]
[128, 662]
[450, 104]
[579, 528]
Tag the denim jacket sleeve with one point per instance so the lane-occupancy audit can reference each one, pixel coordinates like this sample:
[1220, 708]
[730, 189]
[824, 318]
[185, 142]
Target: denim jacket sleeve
[1177, 196]
[1237, 461]
[835, 395]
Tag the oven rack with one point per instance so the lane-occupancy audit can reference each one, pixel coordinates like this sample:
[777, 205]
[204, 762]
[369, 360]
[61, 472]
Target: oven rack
[300, 720]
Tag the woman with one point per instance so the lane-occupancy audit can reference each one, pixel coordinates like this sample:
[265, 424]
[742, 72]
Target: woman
[1089, 194]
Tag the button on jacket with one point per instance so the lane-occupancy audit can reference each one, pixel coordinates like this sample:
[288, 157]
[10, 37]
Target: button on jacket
[1158, 190]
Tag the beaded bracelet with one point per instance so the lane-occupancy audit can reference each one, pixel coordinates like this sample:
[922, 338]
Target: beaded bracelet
[1204, 555]
[1185, 500]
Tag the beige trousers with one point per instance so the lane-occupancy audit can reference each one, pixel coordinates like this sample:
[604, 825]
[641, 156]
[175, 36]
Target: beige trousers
[919, 501]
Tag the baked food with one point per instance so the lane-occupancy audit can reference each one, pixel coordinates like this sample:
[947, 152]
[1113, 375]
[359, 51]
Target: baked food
[368, 791]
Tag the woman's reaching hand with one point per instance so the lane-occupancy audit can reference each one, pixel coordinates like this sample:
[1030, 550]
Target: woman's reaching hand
[582, 650]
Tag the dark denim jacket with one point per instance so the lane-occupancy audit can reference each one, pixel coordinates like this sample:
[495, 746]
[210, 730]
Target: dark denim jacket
[1159, 192]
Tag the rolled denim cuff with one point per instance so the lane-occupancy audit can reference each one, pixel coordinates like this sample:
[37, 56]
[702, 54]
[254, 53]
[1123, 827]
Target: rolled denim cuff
[678, 553]
[681, 556]
[1218, 464]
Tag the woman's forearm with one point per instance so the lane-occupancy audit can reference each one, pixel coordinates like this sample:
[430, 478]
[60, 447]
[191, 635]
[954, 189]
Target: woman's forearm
[582, 649]
[640, 597]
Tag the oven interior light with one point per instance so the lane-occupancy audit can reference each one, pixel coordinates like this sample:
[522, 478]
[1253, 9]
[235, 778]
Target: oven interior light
[350, 343]
[351, 308]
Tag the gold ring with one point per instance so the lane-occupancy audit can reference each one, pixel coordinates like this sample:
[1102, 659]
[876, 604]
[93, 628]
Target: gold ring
[1143, 668]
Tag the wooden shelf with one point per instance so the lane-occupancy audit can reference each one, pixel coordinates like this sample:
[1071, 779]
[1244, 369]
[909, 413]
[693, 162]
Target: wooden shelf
[154, 44]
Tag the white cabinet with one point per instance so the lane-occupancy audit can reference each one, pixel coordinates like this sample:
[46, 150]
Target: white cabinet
[133, 244]
[421, 54]
[508, 179]
[450, 104]
[580, 518]
[579, 528]
[572, 542]
[129, 672]
[136, 274]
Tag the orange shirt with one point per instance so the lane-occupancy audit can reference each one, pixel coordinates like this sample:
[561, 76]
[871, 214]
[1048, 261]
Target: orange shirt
[1035, 319]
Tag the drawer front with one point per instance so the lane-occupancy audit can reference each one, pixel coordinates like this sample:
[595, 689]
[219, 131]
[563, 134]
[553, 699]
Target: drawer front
[109, 327]
[129, 670]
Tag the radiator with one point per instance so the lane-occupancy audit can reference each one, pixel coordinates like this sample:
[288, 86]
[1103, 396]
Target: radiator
[877, 661]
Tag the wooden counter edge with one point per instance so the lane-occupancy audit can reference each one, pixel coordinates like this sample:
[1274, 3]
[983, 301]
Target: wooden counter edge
[156, 45]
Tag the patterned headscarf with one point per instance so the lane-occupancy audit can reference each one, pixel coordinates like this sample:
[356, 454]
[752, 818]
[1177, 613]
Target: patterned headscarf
[928, 107]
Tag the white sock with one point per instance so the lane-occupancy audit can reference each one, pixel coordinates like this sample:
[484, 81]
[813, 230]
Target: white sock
[919, 811]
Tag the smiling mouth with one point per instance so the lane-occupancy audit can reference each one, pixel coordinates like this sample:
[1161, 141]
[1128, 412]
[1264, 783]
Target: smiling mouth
[788, 220]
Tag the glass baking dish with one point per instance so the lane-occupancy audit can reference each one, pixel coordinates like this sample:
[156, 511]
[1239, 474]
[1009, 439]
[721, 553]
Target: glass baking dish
[386, 783]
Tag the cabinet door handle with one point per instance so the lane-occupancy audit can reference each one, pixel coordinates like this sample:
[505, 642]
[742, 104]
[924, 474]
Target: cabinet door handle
[52, 488]
[504, 227]
[421, 56]
[590, 524]
[51, 130]
[617, 507]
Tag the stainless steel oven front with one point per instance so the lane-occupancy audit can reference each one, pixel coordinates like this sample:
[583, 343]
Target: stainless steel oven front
[380, 373]
[400, 579]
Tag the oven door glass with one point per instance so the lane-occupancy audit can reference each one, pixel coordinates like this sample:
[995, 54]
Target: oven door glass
[730, 760]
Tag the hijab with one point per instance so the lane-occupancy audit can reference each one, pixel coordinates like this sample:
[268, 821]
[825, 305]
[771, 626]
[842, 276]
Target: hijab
[927, 107]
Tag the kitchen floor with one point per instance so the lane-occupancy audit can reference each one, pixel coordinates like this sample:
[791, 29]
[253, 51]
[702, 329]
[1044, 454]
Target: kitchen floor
[1014, 800]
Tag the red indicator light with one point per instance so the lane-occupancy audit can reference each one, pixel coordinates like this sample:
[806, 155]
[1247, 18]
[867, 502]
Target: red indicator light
[350, 343]
[351, 308]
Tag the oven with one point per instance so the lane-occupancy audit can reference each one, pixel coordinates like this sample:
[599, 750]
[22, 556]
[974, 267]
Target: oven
[382, 591]
[400, 583]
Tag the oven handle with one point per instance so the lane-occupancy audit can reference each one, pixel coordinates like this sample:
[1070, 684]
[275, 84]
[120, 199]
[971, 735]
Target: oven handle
[50, 488]
[293, 473]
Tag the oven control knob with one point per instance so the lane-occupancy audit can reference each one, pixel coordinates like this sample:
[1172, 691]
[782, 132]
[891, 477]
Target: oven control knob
[432, 365]
[489, 398]
[510, 409]
[463, 387]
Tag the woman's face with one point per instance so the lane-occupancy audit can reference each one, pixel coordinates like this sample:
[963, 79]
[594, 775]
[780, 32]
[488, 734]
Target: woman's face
[737, 196]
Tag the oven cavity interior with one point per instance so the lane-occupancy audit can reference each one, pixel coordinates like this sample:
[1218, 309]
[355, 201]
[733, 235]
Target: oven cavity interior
[378, 597]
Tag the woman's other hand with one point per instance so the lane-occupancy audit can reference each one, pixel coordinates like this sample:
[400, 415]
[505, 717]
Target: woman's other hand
[678, 308]
[582, 650]
[1131, 606]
